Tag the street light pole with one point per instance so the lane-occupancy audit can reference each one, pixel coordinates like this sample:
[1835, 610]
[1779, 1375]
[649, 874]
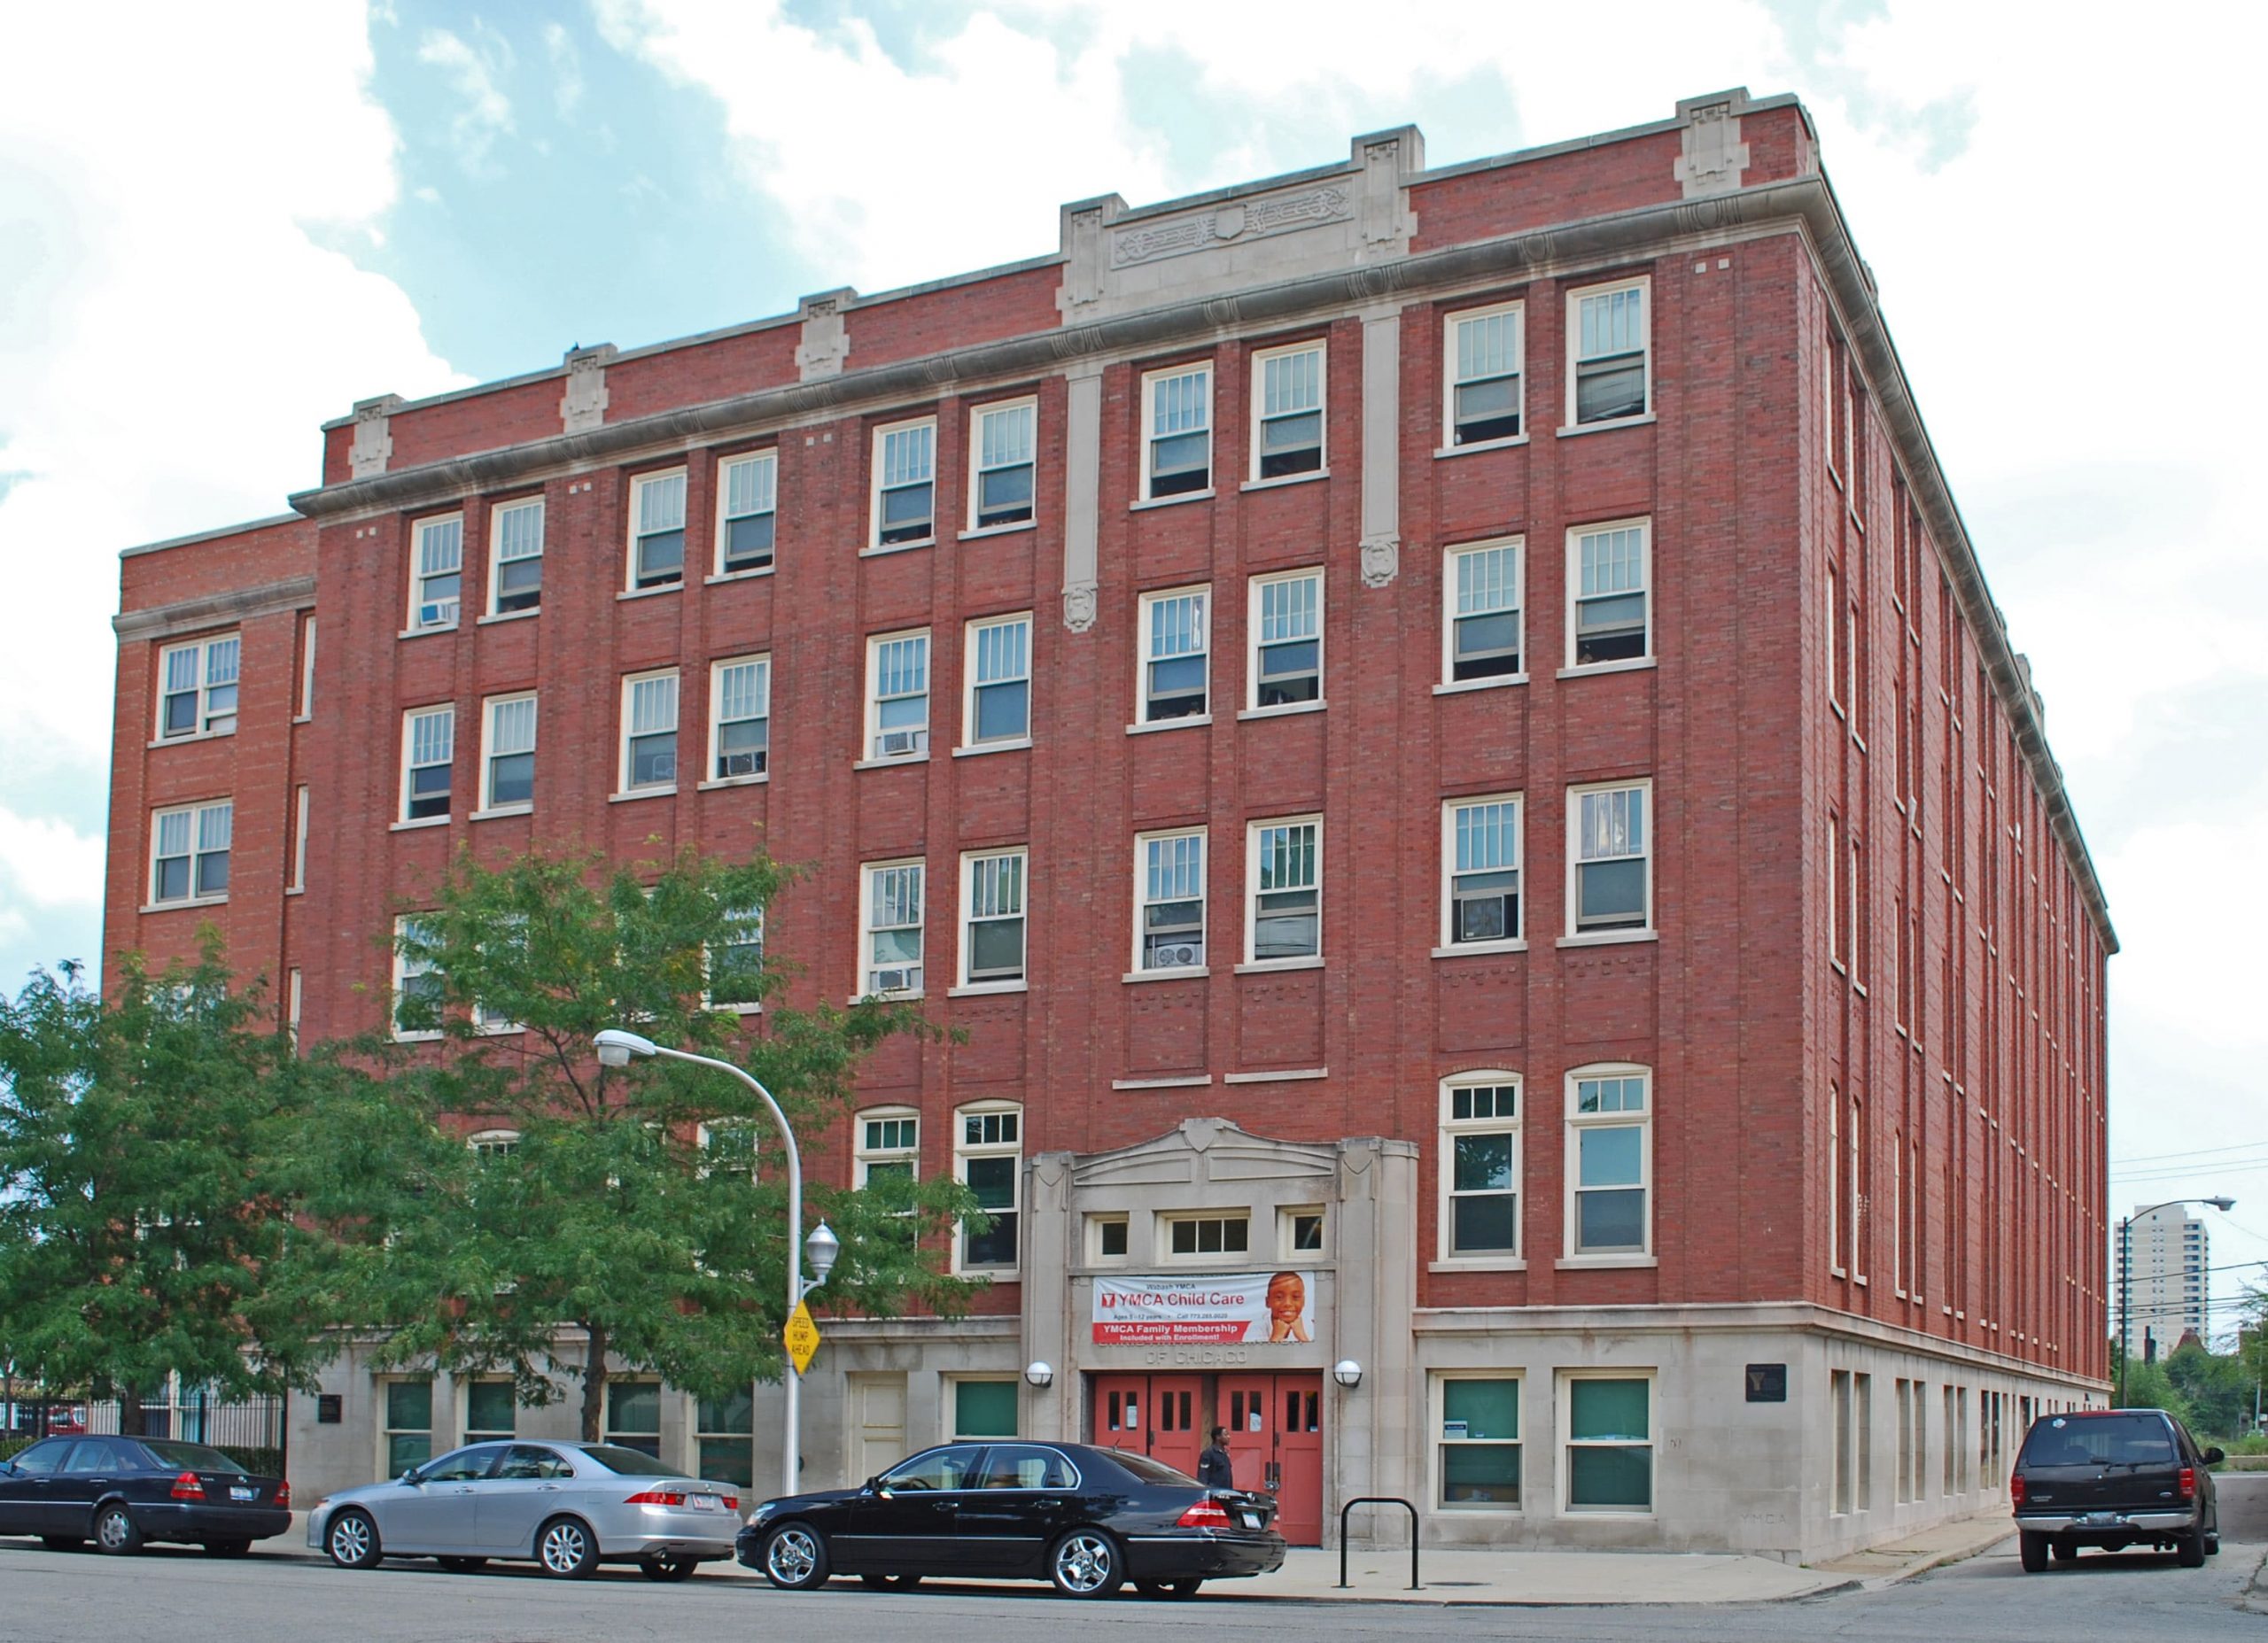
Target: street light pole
[2126, 1271]
[616, 1047]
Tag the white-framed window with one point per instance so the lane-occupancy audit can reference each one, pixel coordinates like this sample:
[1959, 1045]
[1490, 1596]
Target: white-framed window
[1284, 906]
[436, 572]
[508, 752]
[491, 1415]
[1481, 1167]
[997, 706]
[1203, 1236]
[429, 740]
[1834, 891]
[634, 1415]
[1480, 868]
[1170, 899]
[1477, 1441]
[1178, 431]
[416, 981]
[493, 1143]
[1003, 459]
[1482, 378]
[898, 696]
[747, 523]
[1287, 411]
[983, 1406]
[1482, 632]
[1610, 1141]
[1285, 662]
[739, 718]
[648, 732]
[198, 693]
[307, 669]
[1610, 365]
[408, 1434]
[657, 530]
[891, 928]
[723, 1438]
[988, 1156]
[188, 852]
[992, 924]
[1834, 1179]
[736, 965]
[1610, 871]
[888, 1145]
[1175, 641]
[503, 949]
[1299, 1230]
[1610, 1438]
[732, 1144]
[1108, 1236]
[905, 483]
[1610, 603]
[300, 805]
[515, 556]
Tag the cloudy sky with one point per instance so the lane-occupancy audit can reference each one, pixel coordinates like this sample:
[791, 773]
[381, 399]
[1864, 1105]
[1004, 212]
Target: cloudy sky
[278, 210]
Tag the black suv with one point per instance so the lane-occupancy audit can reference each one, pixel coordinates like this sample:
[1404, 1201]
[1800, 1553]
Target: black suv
[2113, 1478]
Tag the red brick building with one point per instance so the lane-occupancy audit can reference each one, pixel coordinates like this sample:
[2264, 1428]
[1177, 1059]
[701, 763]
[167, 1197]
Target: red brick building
[1439, 731]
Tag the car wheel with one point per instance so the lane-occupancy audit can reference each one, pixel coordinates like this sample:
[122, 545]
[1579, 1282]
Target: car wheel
[1086, 1563]
[2033, 1549]
[1182, 1588]
[353, 1540]
[2065, 1553]
[114, 1529]
[462, 1565]
[227, 1548]
[63, 1542]
[890, 1582]
[2212, 1543]
[566, 1550]
[795, 1558]
[668, 1568]
[2190, 1550]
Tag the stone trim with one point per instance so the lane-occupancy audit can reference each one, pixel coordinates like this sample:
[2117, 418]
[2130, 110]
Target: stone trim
[373, 445]
[187, 616]
[584, 404]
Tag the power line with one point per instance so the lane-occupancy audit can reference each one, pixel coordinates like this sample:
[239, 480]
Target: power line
[2152, 1158]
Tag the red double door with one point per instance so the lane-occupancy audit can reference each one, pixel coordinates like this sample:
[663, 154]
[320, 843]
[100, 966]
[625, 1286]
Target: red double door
[1275, 1425]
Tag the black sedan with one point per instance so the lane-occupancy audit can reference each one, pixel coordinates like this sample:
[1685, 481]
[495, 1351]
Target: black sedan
[1087, 1519]
[125, 1490]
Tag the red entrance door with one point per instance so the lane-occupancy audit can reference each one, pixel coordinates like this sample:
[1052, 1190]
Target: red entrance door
[1275, 1425]
[1159, 1415]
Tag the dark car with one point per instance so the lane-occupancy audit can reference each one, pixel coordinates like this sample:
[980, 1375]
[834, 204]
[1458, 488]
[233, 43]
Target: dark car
[2113, 1478]
[1087, 1519]
[125, 1490]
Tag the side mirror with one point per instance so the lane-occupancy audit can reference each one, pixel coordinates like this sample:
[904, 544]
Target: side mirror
[7, 1469]
[2214, 1457]
[410, 1476]
[871, 1486]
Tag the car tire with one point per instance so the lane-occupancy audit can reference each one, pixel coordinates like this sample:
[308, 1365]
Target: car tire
[1183, 1590]
[462, 1565]
[2190, 1550]
[2065, 1553]
[565, 1549]
[2033, 1550]
[114, 1529]
[794, 1557]
[1173, 1589]
[352, 1539]
[890, 1582]
[668, 1568]
[63, 1542]
[1086, 1563]
[227, 1548]
[2212, 1543]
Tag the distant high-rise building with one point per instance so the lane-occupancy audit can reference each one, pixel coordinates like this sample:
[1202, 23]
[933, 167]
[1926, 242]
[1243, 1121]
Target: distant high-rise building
[2165, 1290]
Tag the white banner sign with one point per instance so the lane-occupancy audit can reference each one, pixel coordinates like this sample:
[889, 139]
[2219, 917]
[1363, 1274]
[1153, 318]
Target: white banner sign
[1214, 1310]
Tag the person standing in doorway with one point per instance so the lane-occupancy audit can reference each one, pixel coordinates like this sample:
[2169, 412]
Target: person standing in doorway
[1215, 1469]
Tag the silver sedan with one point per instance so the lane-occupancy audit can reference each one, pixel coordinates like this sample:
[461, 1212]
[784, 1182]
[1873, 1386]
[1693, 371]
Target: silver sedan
[567, 1507]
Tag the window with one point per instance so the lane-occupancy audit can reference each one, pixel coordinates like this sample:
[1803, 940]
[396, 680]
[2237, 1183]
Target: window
[1476, 1453]
[1169, 900]
[1177, 411]
[1839, 1383]
[493, 1143]
[730, 1143]
[1611, 616]
[1287, 411]
[889, 1144]
[507, 762]
[515, 570]
[1192, 1236]
[1834, 893]
[657, 531]
[1482, 369]
[983, 1409]
[1607, 362]
[1286, 666]
[736, 962]
[989, 1152]
[905, 469]
[898, 696]
[1834, 1180]
[1107, 1237]
[505, 952]
[633, 1416]
[1610, 1444]
[307, 671]
[408, 1435]
[1613, 876]
[491, 1415]
[428, 738]
[1175, 643]
[436, 572]
[300, 839]
[649, 733]
[727, 1438]
[999, 709]
[1003, 447]
[416, 981]
[1609, 1189]
[746, 525]
[1284, 917]
[189, 852]
[1298, 1231]
[1480, 1172]
[892, 919]
[1480, 636]
[199, 697]
[992, 921]
[740, 718]
[1480, 849]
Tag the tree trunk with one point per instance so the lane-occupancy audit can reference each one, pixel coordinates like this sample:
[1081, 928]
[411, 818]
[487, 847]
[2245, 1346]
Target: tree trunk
[594, 1384]
[129, 1412]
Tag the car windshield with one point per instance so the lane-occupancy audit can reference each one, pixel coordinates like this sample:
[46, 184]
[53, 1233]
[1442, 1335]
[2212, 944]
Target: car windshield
[2100, 1441]
[1151, 1471]
[629, 1463]
[193, 1457]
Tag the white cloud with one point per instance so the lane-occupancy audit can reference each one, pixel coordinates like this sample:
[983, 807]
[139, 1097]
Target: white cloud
[566, 70]
[486, 113]
[50, 864]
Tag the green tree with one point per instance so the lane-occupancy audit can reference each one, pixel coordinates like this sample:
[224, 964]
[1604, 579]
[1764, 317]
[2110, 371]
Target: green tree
[2217, 1389]
[643, 1207]
[148, 1223]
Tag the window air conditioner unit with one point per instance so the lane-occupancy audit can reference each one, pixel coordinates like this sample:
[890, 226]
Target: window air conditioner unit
[905, 979]
[1176, 954]
[898, 744]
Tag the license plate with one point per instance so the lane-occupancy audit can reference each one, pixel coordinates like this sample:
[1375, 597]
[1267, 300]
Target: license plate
[2102, 1520]
[1251, 1519]
[237, 1491]
[705, 1503]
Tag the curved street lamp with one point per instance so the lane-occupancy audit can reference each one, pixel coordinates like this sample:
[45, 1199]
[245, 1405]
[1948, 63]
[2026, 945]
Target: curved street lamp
[2126, 1271]
[616, 1047]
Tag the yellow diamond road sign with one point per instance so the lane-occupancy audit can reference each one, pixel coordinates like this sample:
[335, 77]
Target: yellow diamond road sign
[801, 1336]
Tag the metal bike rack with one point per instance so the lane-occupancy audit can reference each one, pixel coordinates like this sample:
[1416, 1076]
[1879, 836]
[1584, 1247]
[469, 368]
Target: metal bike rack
[1378, 1500]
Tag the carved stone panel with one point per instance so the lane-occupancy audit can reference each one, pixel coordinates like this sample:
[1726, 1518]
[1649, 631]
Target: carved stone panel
[583, 406]
[373, 445]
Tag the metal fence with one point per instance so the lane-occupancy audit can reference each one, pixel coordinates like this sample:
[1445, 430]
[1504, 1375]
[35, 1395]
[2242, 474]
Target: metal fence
[196, 1416]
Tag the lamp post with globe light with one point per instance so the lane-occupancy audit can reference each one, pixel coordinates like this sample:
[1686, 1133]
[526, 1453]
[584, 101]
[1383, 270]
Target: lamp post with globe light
[2126, 1271]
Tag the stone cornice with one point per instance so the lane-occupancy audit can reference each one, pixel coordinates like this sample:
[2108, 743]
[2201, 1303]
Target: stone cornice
[187, 616]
